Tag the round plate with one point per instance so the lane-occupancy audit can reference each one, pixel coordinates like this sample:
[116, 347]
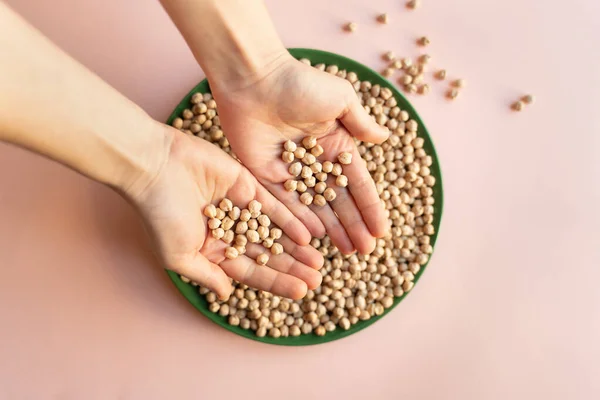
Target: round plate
[364, 73]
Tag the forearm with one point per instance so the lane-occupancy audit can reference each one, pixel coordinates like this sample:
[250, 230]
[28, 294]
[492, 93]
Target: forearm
[234, 41]
[52, 105]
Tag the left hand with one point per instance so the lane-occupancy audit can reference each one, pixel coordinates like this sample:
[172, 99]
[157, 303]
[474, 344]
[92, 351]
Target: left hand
[292, 101]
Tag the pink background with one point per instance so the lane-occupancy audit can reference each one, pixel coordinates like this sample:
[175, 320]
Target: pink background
[509, 307]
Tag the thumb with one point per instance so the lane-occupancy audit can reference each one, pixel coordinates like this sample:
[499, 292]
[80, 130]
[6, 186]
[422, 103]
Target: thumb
[360, 124]
[206, 274]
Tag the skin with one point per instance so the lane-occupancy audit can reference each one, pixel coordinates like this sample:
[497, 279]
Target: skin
[266, 97]
[168, 176]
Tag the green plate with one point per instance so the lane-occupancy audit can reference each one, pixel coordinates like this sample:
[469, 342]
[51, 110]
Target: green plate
[364, 73]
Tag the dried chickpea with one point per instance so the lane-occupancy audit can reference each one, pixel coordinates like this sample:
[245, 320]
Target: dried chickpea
[287, 157]
[290, 185]
[341, 181]
[345, 158]
[290, 146]
[262, 259]
[306, 198]
[277, 248]
[319, 200]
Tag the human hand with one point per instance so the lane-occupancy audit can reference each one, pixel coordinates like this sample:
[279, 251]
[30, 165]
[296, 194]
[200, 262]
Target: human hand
[196, 174]
[292, 101]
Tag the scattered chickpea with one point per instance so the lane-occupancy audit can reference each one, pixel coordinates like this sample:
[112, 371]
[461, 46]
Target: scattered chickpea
[210, 211]
[388, 72]
[330, 194]
[458, 83]
[424, 59]
[351, 27]
[440, 75]
[528, 99]
[383, 18]
[518, 105]
[389, 56]
[423, 41]
[295, 169]
[452, 94]
[413, 4]
[424, 89]
[319, 200]
[287, 156]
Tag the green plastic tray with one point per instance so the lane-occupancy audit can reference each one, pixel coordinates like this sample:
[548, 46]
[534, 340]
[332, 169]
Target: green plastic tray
[364, 73]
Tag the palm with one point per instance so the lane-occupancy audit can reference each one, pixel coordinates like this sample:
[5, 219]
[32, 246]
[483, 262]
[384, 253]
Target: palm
[295, 102]
[198, 174]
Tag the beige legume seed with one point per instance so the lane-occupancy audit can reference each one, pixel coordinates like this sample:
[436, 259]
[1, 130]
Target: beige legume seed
[245, 215]
[518, 105]
[389, 56]
[330, 194]
[253, 224]
[345, 158]
[317, 150]
[295, 169]
[277, 248]
[341, 181]
[290, 146]
[305, 61]
[254, 206]
[231, 253]
[327, 167]
[262, 259]
[320, 187]
[319, 200]
[253, 236]
[300, 152]
[452, 94]
[276, 233]
[210, 211]
[287, 156]
[309, 142]
[306, 172]
[214, 223]
[306, 198]
[413, 4]
[290, 185]
[528, 99]
[301, 187]
[423, 41]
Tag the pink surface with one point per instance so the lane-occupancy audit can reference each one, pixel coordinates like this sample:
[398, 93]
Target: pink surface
[509, 306]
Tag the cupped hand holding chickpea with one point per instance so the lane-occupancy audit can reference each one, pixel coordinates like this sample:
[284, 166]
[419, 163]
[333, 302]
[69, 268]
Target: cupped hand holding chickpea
[308, 102]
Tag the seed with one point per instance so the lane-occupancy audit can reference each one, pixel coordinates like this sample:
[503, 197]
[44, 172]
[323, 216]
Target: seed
[295, 168]
[345, 158]
[341, 181]
[306, 172]
[319, 200]
[254, 206]
[301, 187]
[309, 159]
[214, 223]
[227, 223]
[440, 75]
[277, 248]
[290, 185]
[231, 253]
[262, 259]
[287, 156]
[317, 150]
[253, 236]
[327, 167]
[389, 56]
[245, 215]
[329, 193]
[320, 67]
[411, 88]
[320, 187]
[383, 18]
[210, 211]
[300, 152]
[309, 142]
[458, 83]
[218, 233]
[264, 220]
[350, 26]
[528, 99]
[241, 240]
[518, 105]
[452, 94]
[336, 170]
[424, 89]
[412, 4]
[388, 72]
[290, 146]
[226, 205]
[424, 59]
[423, 41]
[306, 198]
[405, 80]
[253, 224]
[305, 61]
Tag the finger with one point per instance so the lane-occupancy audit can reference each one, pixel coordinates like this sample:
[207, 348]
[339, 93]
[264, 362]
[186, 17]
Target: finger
[360, 124]
[287, 264]
[283, 217]
[291, 200]
[245, 270]
[353, 220]
[364, 192]
[305, 254]
[336, 230]
[206, 274]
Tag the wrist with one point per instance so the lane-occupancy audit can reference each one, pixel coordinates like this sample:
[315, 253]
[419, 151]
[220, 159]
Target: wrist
[141, 164]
